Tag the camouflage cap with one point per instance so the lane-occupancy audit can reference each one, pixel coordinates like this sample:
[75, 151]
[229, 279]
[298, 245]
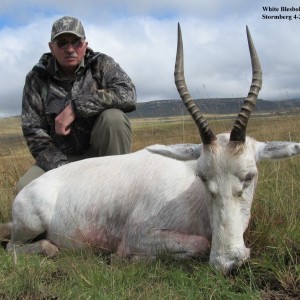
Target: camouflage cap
[67, 25]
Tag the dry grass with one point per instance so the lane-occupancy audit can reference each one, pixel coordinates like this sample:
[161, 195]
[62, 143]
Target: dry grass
[274, 231]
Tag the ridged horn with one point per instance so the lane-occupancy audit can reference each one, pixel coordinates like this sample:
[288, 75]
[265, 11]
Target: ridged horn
[207, 135]
[238, 132]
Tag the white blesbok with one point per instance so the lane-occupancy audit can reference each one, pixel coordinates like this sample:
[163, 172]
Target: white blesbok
[184, 200]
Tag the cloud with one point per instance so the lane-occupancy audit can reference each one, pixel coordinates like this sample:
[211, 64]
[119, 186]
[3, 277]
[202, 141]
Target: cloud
[141, 37]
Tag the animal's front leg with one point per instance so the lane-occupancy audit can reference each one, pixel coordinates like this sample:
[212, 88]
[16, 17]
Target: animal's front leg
[180, 244]
[164, 241]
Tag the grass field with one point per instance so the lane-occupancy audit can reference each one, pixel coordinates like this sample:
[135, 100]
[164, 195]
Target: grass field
[274, 232]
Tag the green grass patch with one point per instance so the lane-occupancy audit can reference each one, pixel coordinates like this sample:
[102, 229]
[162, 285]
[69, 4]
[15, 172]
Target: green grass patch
[273, 234]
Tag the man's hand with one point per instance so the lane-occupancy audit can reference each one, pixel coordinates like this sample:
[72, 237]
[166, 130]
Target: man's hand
[64, 120]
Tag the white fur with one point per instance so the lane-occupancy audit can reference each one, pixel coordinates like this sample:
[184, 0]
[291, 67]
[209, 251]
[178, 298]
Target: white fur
[162, 198]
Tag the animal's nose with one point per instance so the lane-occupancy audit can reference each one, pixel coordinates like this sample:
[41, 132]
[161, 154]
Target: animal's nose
[228, 263]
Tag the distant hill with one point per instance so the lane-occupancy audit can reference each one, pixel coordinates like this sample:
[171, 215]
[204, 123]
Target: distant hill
[175, 107]
[168, 108]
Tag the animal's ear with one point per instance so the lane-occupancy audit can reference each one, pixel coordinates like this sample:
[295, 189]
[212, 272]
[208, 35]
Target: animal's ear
[178, 151]
[276, 150]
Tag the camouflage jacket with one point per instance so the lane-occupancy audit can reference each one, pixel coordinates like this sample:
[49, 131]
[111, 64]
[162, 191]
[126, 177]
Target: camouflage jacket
[99, 85]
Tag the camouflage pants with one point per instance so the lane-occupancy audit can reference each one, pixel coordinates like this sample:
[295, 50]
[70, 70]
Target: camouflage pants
[111, 135]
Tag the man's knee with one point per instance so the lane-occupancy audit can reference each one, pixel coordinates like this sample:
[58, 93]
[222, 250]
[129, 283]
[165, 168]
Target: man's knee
[111, 134]
[113, 119]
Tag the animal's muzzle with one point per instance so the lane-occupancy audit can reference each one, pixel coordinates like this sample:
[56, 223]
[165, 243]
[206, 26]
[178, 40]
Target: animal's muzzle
[232, 260]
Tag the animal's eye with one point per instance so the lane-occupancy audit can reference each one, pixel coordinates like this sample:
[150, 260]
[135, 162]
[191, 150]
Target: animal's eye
[203, 177]
[249, 177]
[247, 180]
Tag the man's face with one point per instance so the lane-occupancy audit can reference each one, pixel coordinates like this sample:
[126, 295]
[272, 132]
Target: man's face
[69, 50]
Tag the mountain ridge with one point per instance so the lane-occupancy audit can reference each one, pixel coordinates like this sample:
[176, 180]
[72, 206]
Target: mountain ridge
[175, 107]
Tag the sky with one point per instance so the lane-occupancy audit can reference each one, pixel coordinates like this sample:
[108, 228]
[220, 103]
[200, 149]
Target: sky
[141, 35]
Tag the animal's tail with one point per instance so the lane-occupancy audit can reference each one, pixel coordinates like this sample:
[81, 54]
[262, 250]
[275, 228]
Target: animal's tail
[5, 231]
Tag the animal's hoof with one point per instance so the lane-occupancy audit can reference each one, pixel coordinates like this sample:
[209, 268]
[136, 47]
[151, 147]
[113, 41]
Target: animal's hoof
[48, 248]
